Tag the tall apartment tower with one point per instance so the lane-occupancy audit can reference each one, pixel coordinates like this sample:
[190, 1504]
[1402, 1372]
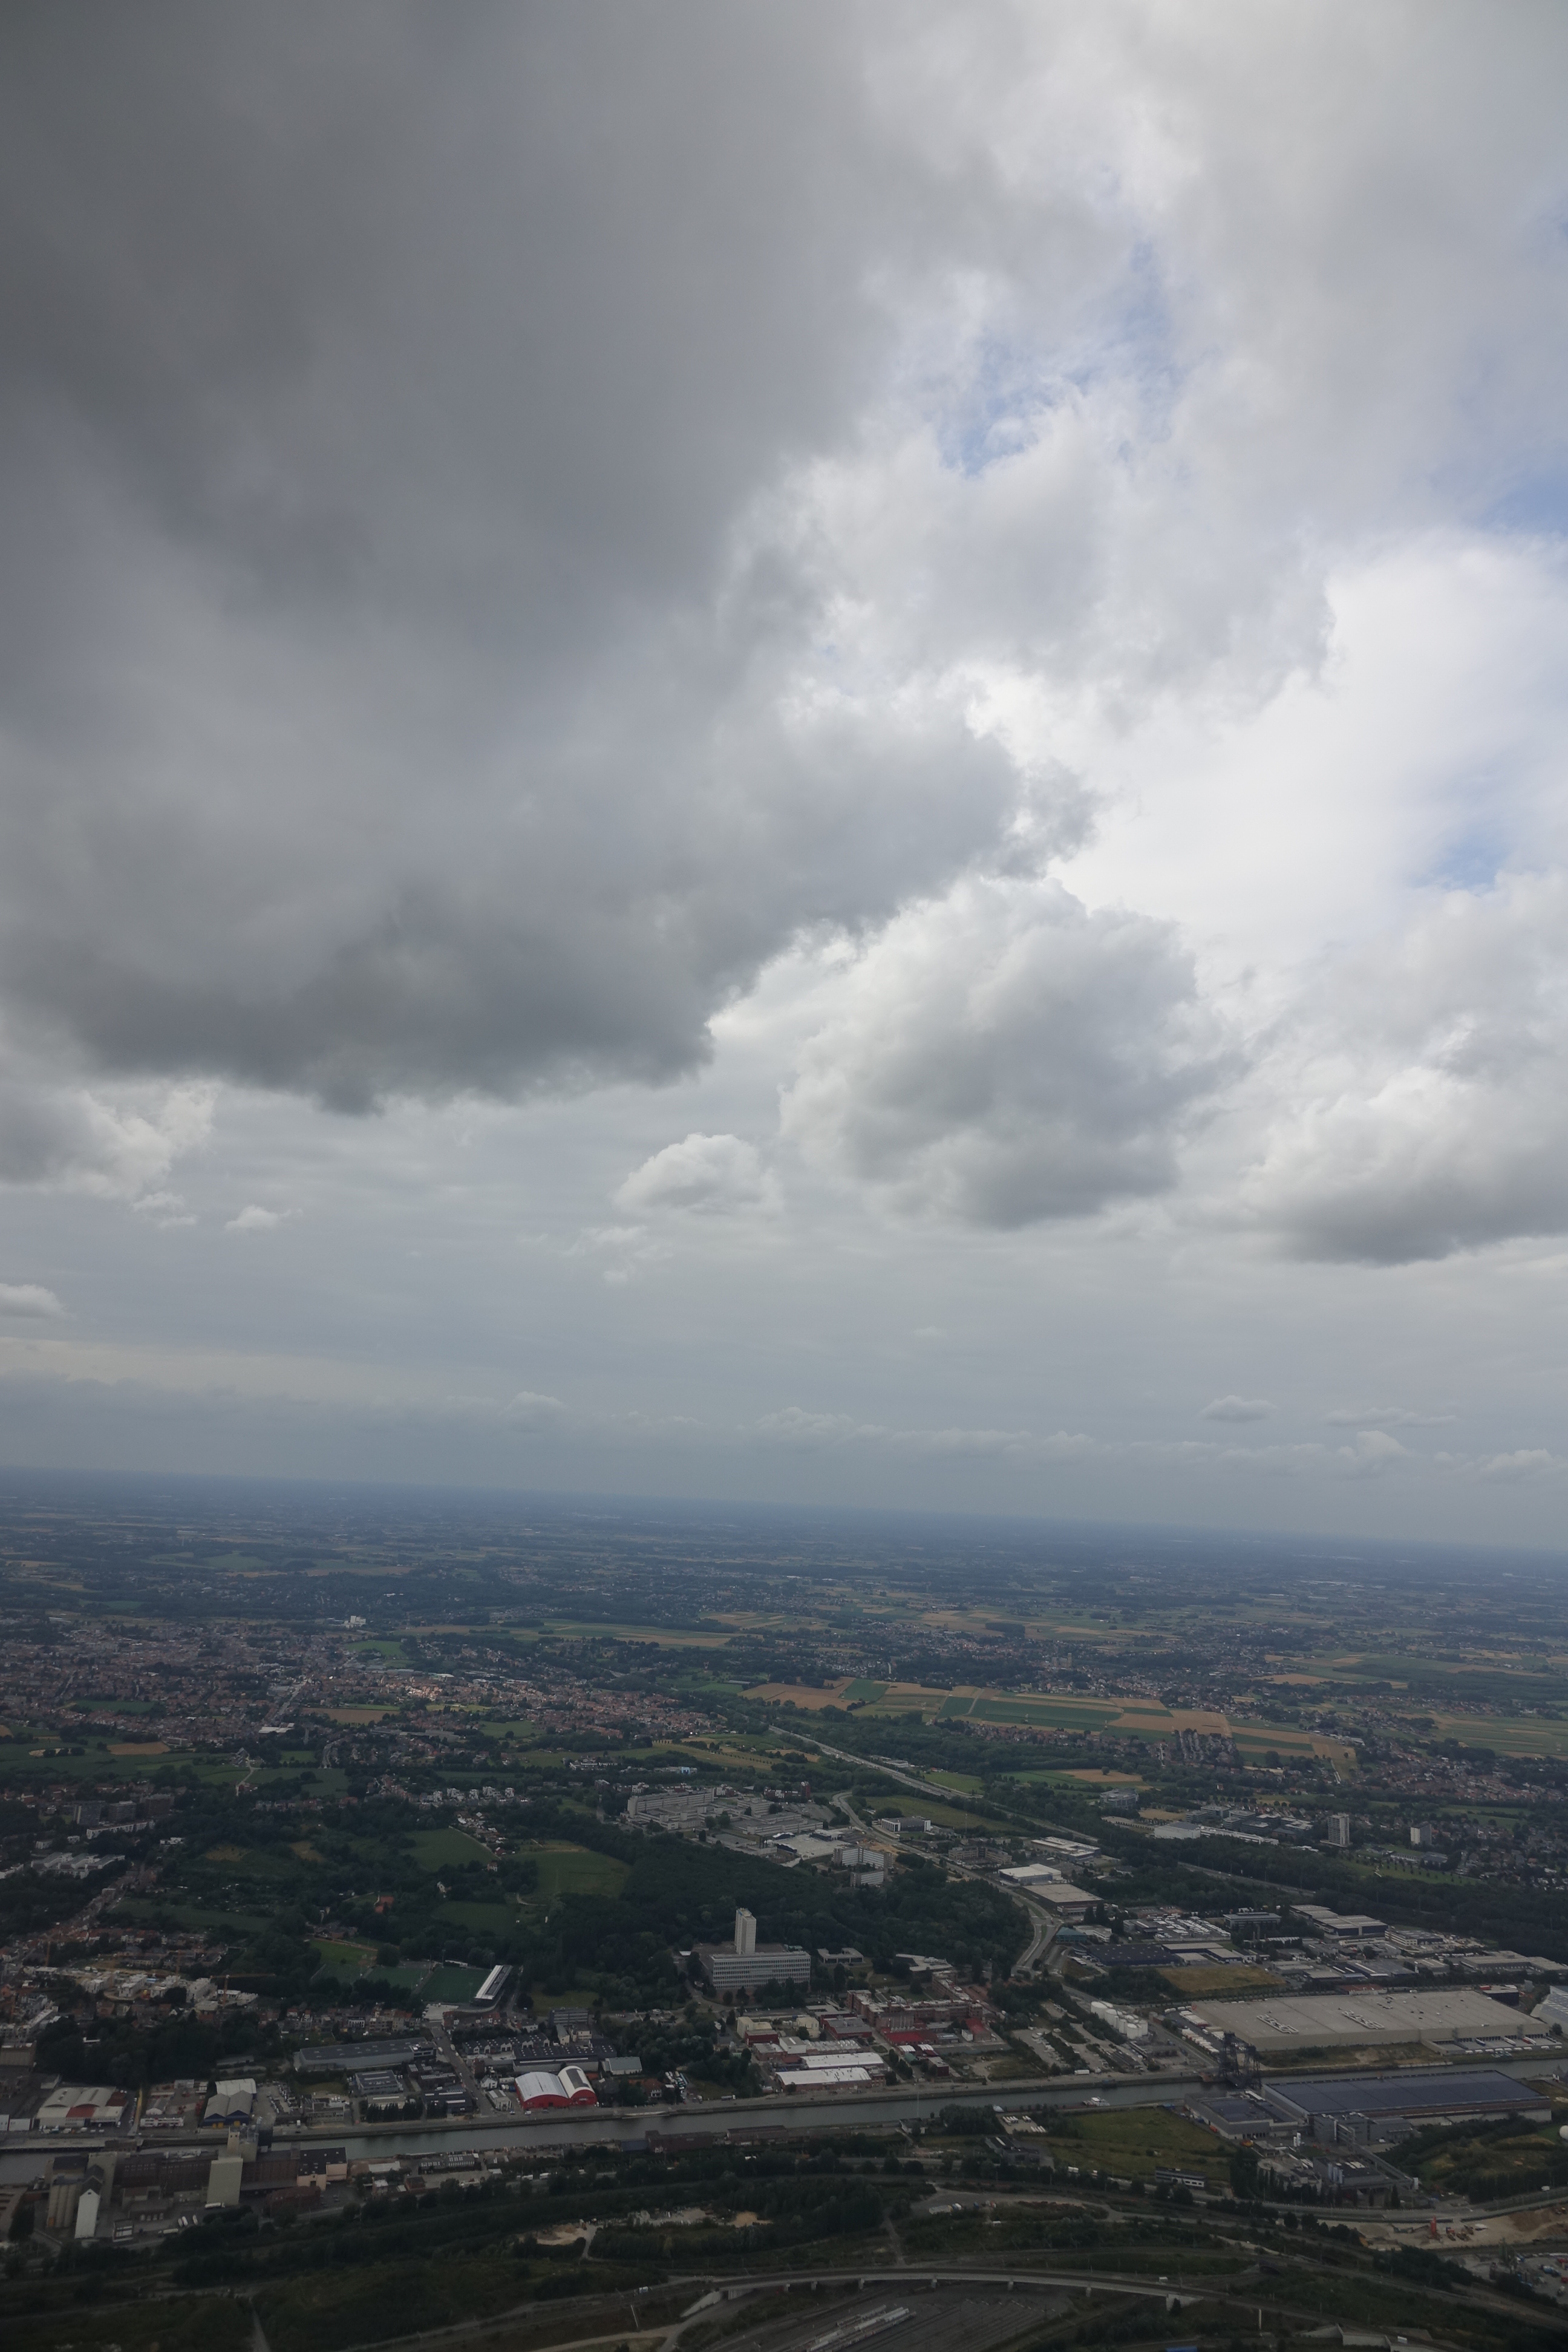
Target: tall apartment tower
[746, 1934]
[1338, 1829]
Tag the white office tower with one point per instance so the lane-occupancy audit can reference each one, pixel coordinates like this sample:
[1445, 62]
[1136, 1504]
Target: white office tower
[1338, 1829]
[746, 1933]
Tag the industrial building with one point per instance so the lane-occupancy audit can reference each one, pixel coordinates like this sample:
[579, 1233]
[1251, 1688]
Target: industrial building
[569, 2088]
[682, 1810]
[348, 2057]
[1324, 1922]
[93, 2195]
[746, 1966]
[1362, 2020]
[231, 2103]
[1554, 2009]
[494, 1985]
[1366, 2108]
[1072, 1902]
[77, 2106]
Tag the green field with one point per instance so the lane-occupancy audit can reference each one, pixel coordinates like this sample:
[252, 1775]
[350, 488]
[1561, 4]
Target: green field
[949, 1817]
[1133, 2140]
[572, 1870]
[1510, 1734]
[450, 1983]
[408, 1977]
[194, 2322]
[201, 1921]
[1050, 1714]
[1491, 2164]
[258, 1862]
[447, 1849]
[862, 1694]
[488, 1918]
[224, 1775]
[356, 1958]
[95, 1764]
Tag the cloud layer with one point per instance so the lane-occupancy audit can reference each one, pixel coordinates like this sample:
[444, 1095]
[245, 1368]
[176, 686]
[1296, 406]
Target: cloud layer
[831, 653]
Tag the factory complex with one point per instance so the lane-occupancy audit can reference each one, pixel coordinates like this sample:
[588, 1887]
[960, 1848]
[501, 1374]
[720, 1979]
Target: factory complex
[1358, 2021]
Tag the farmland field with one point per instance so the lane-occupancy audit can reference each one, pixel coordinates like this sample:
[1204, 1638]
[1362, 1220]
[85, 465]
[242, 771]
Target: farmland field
[572, 1870]
[447, 1849]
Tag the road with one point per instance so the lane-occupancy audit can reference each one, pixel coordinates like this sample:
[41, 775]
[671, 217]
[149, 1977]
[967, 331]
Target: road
[447, 2052]
[1171, 2294]
[1045, 1930]
[1042, 1924]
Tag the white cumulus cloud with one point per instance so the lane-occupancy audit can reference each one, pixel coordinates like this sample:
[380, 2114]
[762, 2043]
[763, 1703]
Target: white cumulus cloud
[254, 1219]
[1003, 1056]
[716, 1174]
[29, 1298]
[1237, 1408]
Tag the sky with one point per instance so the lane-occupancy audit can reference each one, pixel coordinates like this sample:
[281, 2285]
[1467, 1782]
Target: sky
[803, 753]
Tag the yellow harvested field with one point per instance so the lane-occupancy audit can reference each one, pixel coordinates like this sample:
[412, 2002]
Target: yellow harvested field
[139, 1747]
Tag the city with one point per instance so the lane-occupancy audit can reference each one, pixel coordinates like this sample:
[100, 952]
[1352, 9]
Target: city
[1174, 1909]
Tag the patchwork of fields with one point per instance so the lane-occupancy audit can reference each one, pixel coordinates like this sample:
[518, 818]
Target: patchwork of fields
[1133, 1718]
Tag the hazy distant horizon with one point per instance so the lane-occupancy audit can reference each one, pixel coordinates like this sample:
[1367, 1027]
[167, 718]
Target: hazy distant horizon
[512, 1508]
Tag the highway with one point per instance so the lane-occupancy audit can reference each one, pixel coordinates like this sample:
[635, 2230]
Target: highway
[1171, 2294]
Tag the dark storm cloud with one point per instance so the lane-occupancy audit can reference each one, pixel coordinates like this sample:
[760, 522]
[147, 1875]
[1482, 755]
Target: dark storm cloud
[388, 704]
[490, 301]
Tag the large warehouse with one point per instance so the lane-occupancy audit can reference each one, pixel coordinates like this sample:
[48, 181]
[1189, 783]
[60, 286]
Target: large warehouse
[1354, 2021]
[570, 2088]
[1378, 2106]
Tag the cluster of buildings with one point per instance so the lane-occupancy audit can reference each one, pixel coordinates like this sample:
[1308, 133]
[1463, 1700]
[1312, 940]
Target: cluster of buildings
[823, 2046]
[1327, 2138]
[114, 2194]
[162, 1684]
[781, 1823]
[550, 2067]
[37, 2103]
[157, 1686]
[745, 1966]
[1312, 1949]
[819, 2050]
[555, 1699]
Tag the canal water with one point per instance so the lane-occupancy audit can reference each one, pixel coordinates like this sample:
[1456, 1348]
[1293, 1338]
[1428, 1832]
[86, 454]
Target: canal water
[557, 2128]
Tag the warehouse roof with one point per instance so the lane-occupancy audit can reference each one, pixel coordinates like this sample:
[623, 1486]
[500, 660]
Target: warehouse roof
[1422, 2091]
[1349, 2019]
